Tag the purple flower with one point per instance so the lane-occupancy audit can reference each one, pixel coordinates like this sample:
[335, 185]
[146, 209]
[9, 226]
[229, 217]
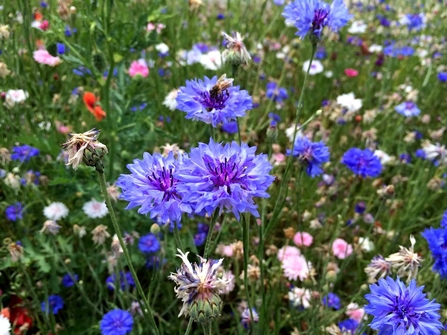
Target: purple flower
[362, 162]
[399, 310]
[311, 16]
[437, 243]
[408, 109]
[275, 93]
[313, 154]
[14, 212]
[23, 153]
[444, 220]
[125, 281]
[348, 326]
[149, 243]
[442, 77]
[414, 21]
[230, 127]
[332, 301]
[68, 280]
[152, 186]
[360, 207]
[116, 322]
[213, 101]
[53, 304]
[224, 177]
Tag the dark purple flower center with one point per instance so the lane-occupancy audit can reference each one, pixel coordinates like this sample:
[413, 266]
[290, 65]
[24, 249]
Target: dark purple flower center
[214, 100]
[224, 173]
[319, 21]
[164, 181]
[409, 105]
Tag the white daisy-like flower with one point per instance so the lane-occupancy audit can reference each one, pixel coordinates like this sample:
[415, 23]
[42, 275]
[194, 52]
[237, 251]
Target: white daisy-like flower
[315, 68]
[55, 211]
[95, 209]
[162, 48]
[5, 326]
[299, 297]
[435, 151]
[349, 102]
[357, 27]
[375, 48]
[211, 60]
[170, 100]
[13, 97]
[385, 159]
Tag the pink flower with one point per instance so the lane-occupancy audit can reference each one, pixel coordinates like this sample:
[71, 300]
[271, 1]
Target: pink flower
[44, 25]
[341, 249]
[44, 57]
[351, 72]
[279, 157]
[354, 312]
[303, 238]
[288, 252]
[295, 267]
[138, 68]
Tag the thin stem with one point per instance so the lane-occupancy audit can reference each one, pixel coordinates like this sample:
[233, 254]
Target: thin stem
[234, 69]
[147, 309]
[245, 233]
[188, 330]
[178, 241]
[210, 233]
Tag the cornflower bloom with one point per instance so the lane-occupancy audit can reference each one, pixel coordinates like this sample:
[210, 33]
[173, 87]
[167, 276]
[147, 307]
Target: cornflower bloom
[246, 317]
[408, 109]
[5, 325]
[149, 243]
[312, 154]
[378, 268]
[100, 234]
[348, 327]
[437, 243]
[406, 261]
[331, 300]
[235, 52]
[68, 280]
[213, 101]
[44, 57]
[198, 286]
[84, 146]
[362, 162]
[398, 309]
[153, 185]
[14, 212]
[275, 93]
[224, 177]
[299, 297]
[311, 16]
[116, 322]
[23, 153]
[51, 227]
[53, 304]
[124, 280]
[95, 209]
[139, 68]
[55, 211]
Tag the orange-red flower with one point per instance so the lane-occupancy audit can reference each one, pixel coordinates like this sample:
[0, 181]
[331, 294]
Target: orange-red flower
[19, 315]
[90, 102]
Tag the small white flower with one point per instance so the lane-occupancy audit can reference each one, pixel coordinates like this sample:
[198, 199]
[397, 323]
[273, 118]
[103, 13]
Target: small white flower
[329, 74]
[434, 151]
[211, 60]
[291, 130]
[357, 27]
[51, 227]
[170, 100]
[162, 48]
[365, 244]
[349, 102]
[384, 157]
[5, 326]
[95, 209]
[299, 297]
[55, 211]
[375, 48]
[315, 68]
[15, 96]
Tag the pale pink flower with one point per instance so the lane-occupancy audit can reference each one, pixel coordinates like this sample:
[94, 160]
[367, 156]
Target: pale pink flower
[295, 267]
[278, 158]
[288, 252]
[351, 72]
[303, 238]
[138, 67]
[44, 57]
[225, 250]
[341, 249]
[95, 209]
[354, 312]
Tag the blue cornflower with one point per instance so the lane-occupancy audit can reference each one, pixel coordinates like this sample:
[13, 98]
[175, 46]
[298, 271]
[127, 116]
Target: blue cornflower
[408, 109]
[199, 239]
[320, 53]
[61, 48]
[153, 262]
[414, 21]
[444, 220]
[14, 212]
[69, 31]
[23, 153]
[149, 243]
[442, 77]
[275, 117]
[348, 326]
[360, 207]
[53, 304]
[313, 154]
[437, 243]
[152, 186]
[213, 101]
[400, 310]
[69, 280]
[396, 51]
[203, 228]
[420, 153]
[224, 177]
[405, 158]
[332, 301]
[362, 162]
[43, 4]
[220, 16]
[275, 93]
[230, 127]
[125, 281]
[116, 322]
[279, 2]
[246, 320]
[311, 16]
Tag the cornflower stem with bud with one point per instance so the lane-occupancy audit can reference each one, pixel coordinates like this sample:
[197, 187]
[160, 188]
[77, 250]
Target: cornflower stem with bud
[146, 308]
[210, 233]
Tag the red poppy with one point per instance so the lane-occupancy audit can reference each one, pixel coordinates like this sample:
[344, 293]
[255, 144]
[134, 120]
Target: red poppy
[18, 315]
[90, 102]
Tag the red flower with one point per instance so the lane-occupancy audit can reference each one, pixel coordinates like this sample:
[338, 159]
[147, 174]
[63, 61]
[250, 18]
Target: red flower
[90, 102]
[18, 315]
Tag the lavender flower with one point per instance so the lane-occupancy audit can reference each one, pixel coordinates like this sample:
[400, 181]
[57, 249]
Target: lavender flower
[362, 162]
[53, 304]
[116, 322]
[23, 153]
[213, 101]
[311, 16]
[14, 212]
[152, 186]
[125, 281]
[313, 154]
[408, 109]
[399, 310]
[332, 301]
[378, 268]
[275, 93]
[218, 177]
[149, 243]
[437, 243]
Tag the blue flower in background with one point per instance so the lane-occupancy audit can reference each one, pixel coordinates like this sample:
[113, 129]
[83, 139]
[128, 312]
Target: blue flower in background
[23, 153]
[362, 162]
[69, 31]
[414, 21]
[230, 127]
[444, 220]
[224, 177]
[116, 322]
[397, 51]
[125, 281]
[348, 327]
[408, 109]
[360, 207]
[442, 77]
[69, 280]
[332, 301]
[275, 93]
[400, 310]
[152, 186]
[213, 101]
[14, 212]
[149, 243]
[313, 154]
[53, 304]
[61, 48]
[311, 16]
[202, 233]
[437, 243]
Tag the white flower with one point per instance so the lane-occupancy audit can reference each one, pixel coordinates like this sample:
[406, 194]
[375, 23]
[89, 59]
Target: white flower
[55, 211]
[51, 227]
[384, 157]
[211, 60]
[15, 96]
[365, 244]
[5, 326]
[432, 151]
[315, 67]
[357, 27]
[349, 102]
[290, 131]
[329, 74]
[375, 48]
[299, 297]
[162, 48]
[95, 209]
[170, 100]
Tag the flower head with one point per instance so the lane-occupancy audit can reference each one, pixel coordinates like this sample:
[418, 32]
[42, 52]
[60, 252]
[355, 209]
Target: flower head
[235, 52]
[296, 267]
[299, 297]
[69, 280]
[213, 101]
[437, 243]
[332, 300]
[55, 211]
[275, 93]
[153, 185]
[124, 281]
[406, 261]
[95, 209]
[53, 304]
[341, 249]
[378, 268]
[408, 109]
[149, 243]
[303, 239]
[51, 227]
[224, 177]
[311, 16]
[100, 234]
[23, 153]
[398, 309]
[91, 104]
[198, 286]
[362, 162]
[5, 325]
[116, 322]
[246, 317]
[139, 68]
[44, 57]
[313, 154]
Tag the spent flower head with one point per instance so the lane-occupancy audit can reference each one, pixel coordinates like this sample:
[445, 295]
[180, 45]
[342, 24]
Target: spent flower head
[235, 53]
[406, 261]
[378, 268]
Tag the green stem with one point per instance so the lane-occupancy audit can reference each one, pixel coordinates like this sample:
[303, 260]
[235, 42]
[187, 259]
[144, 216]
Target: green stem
[188, 330]
[210, 233]
[178, 241]
[147, 309]
[245, 233]
[234, 69]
